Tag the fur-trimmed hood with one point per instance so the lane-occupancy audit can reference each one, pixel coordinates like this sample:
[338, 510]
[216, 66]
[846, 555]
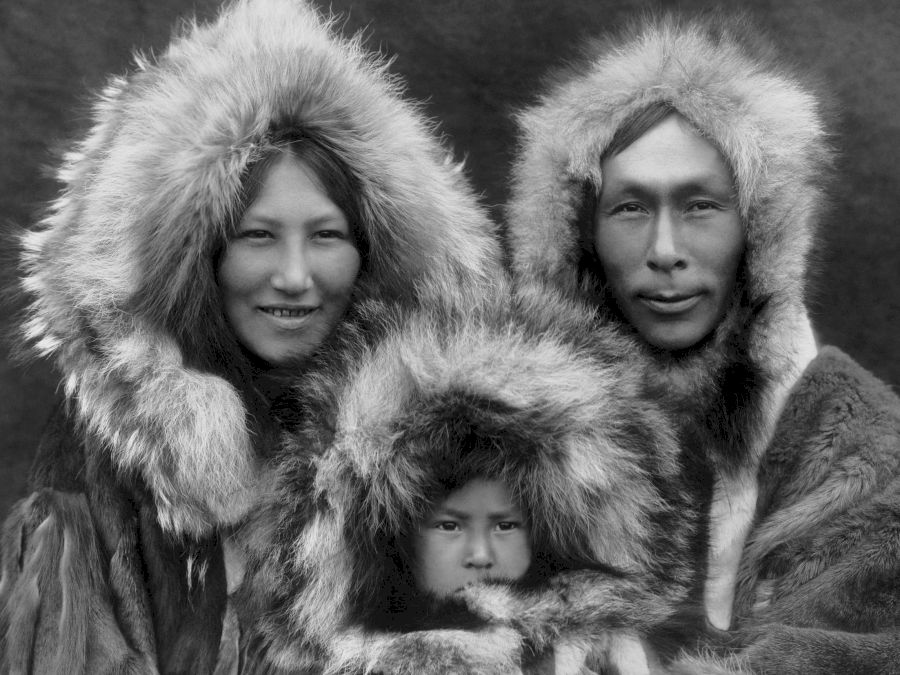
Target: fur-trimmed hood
[548, 403]
[766, 123]
[120, 272]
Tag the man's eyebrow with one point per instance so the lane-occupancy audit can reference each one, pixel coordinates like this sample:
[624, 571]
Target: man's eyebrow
[696, 182]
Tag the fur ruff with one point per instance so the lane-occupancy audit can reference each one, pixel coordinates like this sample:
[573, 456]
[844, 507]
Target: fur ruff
[120, 271]
[594, 465]
[62, 546]
[769, 128]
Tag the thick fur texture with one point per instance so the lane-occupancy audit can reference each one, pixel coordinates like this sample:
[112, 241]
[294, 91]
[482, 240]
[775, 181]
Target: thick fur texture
[123, 297]
[769, 128]
[120, 272]
[91, 584]
[594, 465]
[819, 578]
[804, 446]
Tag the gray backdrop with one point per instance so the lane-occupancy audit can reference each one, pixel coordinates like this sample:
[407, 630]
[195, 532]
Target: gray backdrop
[472, 62]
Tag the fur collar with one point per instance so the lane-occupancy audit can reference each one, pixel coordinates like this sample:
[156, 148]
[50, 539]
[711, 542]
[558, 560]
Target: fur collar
[120, 272]
[594, 464]
[768, 126]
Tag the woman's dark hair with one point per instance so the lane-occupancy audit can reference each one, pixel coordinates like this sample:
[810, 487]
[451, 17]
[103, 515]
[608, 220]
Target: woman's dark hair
[333, 175]
[214, 348]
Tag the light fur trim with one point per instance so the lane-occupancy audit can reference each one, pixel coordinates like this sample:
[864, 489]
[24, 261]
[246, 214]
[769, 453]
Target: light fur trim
[529, 367]
[146, 199]
[764, 120]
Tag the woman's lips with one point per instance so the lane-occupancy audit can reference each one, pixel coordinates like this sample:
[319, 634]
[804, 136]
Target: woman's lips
[288, 317]
[663, 303]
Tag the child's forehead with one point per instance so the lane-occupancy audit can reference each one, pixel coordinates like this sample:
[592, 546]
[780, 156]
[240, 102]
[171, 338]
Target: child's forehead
[480, 496]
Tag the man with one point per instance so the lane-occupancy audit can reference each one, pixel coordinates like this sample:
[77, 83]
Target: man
[675, 181]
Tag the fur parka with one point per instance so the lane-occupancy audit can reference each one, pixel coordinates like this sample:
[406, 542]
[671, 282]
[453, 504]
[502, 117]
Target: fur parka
[527, 391]
[788, 482]
[164, 429]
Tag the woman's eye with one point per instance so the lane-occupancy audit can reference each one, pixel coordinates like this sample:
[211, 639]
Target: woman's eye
[508, 525]
[330, 234]
[702, 206]
[447, 525]
[254, 234]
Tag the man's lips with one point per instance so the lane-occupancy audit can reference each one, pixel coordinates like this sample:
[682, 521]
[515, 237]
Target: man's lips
[669, 302]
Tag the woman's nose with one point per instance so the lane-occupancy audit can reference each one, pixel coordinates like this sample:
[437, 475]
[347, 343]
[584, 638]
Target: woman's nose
[293, 272]
[664, 252]
[479, 553]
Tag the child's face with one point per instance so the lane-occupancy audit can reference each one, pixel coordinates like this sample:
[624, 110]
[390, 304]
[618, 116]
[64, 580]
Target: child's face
[476, 533]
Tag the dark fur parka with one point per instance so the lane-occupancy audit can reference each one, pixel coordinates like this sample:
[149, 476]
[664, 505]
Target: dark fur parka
[524, 390]
[803, 443]
[114, 563]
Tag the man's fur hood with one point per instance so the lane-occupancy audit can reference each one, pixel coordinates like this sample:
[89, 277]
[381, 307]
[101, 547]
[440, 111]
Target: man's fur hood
[766, 123]
[120, 272]
[554, 404]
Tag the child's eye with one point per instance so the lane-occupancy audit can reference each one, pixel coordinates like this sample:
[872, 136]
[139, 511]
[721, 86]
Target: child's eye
[508, 525]
[447, 525]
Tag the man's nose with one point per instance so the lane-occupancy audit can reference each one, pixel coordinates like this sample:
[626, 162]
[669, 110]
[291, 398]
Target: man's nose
[664, 252]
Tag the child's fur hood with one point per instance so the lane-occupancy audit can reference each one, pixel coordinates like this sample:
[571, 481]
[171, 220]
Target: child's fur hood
[120, 272]
[766, 123]
[555, 401]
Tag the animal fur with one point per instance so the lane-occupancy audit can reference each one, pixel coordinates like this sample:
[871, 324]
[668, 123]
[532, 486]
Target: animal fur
[810, 441]
[123, 298]
[769, 127]
[120, 272]
[595, 465]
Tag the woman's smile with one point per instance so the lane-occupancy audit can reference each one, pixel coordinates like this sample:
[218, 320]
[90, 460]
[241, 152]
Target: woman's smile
[288, 273]
[289, 317]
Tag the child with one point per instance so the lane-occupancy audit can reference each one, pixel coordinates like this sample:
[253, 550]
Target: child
[489, 496]
[476, 533]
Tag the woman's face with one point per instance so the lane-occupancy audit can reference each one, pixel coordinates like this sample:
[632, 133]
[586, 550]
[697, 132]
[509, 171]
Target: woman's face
[287, 274]
[668, 234]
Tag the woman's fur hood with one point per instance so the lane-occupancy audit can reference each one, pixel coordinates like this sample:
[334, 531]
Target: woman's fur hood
[120, 272]
[767, 124]
[554, 404]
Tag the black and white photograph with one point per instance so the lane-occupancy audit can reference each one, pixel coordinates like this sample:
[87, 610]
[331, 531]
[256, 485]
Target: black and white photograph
[449, 337]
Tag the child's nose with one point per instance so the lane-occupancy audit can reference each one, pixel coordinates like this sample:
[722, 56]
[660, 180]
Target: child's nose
[480, 554]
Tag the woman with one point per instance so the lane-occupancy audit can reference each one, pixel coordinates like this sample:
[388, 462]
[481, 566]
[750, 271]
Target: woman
[232, 203]
[676, 180]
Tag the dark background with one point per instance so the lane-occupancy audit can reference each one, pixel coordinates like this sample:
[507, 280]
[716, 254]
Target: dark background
[472, 62]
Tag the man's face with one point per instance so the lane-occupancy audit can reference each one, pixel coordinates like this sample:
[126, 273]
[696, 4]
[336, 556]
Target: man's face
[668, 234]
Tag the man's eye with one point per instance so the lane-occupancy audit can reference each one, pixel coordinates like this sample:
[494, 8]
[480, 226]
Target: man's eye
[702, 206]
[627, 209]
